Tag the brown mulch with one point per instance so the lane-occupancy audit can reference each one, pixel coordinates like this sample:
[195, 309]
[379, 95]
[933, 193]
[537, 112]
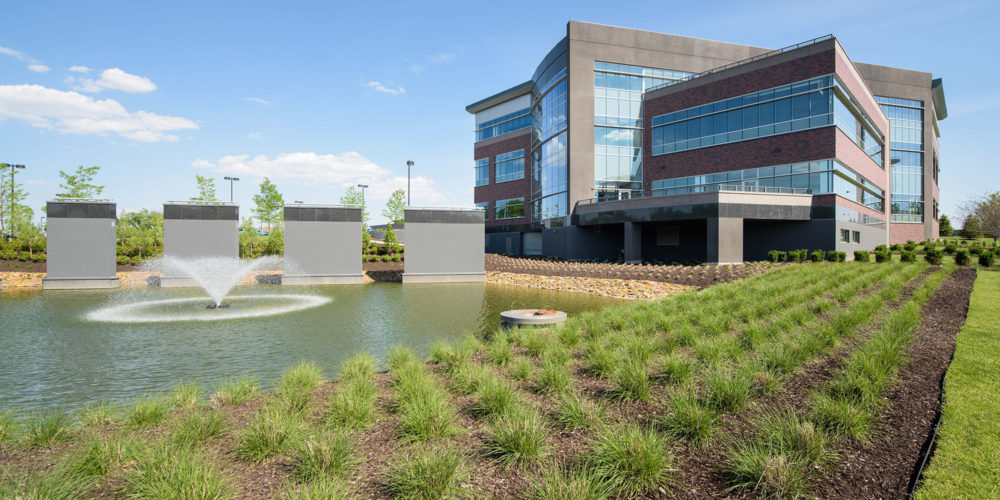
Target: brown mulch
[882, 468]
[699, 276]
[39, 267]
[382, 266]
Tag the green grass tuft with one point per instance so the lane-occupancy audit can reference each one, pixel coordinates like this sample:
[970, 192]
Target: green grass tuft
[427, 415]
[353, 405]
[753, 468]
[59, 483]
[631, 381]
[198, 427]
[427, 473]
[500, 351]
[675, 369]
[234, 391]
[186, 395]
[147, 412]
[494, 397]
[46, 428]
[270, 433]
[323, 489]
[633, 460]
[323, 457]
[601, 360]
[166, 472]
[576, 412]
[521, 370]
[689, 419]
[728, 391]
[8, 425]
[564, 483]
[518, 437]
[553, 377]
[99, 455]
[360, 366]
[400, 356]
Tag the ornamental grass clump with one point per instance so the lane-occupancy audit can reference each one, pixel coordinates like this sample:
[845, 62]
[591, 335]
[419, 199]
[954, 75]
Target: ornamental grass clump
[553, 377]
[494, 397]
[321, 489]
[100, 414]
[689, 418]
[518, 437]
[198, 427]
[500, 351]
[577, 412]
[360, 366]
[428, 472]
[166, 472]
[99, 455]
[568, 483]
[521, 370]
[728, 391]
[7, 425]
[324, 456]
[353, 405]
[295, 390]
[601, 360]
[675, 369]
[46, 428]
[272, 432]
[631, 381]
[186, 395]
[234, 391]
[147, 412]
[632, 460]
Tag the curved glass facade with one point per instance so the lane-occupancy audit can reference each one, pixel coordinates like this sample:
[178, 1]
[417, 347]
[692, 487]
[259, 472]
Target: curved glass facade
[550, 157]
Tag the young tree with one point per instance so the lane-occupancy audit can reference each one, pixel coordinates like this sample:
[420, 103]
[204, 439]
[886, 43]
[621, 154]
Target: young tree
[206, 189]
[12, 196]
[394, 208]
[986, 210]
[390, 239]
[971, 229]
[268, 204]
[944, 225]
[353, 196]
[80, 184]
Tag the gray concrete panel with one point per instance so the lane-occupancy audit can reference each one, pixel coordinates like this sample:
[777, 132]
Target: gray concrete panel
[80, 250]
[449, 249]
[633, 242]
[725, 240]
[322, 251]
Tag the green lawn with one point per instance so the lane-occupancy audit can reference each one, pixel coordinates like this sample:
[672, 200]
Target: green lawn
[967, 461]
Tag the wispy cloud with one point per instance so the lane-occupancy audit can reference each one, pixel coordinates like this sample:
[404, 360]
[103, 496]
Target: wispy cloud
[433, 60]
[33, 64]
[74, 113]
[79, 69]
[113, 79]
[254, 135]
[257, 100]
[373, 84]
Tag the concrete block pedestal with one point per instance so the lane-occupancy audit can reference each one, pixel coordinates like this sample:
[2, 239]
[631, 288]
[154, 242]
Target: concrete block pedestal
[80, 245]
[322, 245]
[194, 230]
[444, 245]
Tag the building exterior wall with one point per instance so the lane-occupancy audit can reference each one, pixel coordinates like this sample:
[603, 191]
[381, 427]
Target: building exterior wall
[196, 231]
[80, 245]
[494, 191]
[444, 245]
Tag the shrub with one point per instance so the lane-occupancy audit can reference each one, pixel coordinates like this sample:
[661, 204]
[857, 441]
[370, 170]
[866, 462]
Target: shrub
[933, 256]
[881, 248]
[428, 473]
[986, 258]
[633, 460]
[817, 256]
[777, 256]
[798, 255]
[837, 256]
[910, 246]
[907, 256]
[950, 248]
[883, 256]
[896, 247]
[862, 256]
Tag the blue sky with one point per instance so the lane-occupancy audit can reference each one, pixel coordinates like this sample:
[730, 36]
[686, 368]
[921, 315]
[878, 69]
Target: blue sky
[322, 95]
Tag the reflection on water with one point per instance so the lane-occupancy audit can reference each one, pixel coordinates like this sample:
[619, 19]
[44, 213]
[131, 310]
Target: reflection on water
[52, 355]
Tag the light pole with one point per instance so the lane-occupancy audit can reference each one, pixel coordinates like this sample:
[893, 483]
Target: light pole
[231, 179]
[362, 186]
[10, 216]
[409, 163]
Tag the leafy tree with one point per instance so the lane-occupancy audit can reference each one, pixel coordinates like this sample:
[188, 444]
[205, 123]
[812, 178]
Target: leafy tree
[390, 239]
[944, 225]
[268, 204]
[80, 184]
[12, 196]
[206, 189]
[140, 233]
[972, 228]
[394, 208]
[353, 196]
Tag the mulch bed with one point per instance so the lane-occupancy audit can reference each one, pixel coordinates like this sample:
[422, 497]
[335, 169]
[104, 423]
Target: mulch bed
[39, 267]
[699, 276]
[882, 468]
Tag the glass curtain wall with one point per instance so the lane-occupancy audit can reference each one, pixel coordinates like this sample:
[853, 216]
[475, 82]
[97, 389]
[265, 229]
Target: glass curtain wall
[618, 90]
[906, 140]
[550, 157]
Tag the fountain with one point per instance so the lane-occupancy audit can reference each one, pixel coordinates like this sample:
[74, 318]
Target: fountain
[216, 277]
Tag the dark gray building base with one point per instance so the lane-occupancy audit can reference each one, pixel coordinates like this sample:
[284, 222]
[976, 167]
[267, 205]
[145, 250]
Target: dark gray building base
[345, 279]
[79, 283]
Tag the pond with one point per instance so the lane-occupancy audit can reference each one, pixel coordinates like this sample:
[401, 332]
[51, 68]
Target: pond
[58, 351]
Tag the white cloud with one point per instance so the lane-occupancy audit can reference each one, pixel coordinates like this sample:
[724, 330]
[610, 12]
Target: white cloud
[309, 167]
[79, 69]
[254, 135]
[33, 64]
[115, 79]
[74, 113]
[440, 58]
[257, 100]
[385, 90]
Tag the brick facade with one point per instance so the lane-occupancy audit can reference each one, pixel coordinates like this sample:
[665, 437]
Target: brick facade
[520, 188]
[902, 232]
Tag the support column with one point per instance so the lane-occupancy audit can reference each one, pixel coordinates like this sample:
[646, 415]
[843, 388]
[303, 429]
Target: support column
[725, 240]
[633, 243]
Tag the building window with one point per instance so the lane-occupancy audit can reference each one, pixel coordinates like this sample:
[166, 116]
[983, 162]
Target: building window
[906, 133]
[509, 209]
[509, 166]
[482, 171]
[857, 236]
[485, 206]
[845, 236]
[505, 124]
[808, 104]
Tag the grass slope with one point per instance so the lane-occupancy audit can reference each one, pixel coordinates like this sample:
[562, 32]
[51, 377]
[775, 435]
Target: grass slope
[967, 461]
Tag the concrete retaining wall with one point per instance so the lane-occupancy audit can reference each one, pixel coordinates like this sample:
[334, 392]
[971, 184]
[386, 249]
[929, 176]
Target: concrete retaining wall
[444, 245]
[322, 245]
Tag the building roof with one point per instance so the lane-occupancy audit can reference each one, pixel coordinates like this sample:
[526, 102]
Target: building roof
[500, 97]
